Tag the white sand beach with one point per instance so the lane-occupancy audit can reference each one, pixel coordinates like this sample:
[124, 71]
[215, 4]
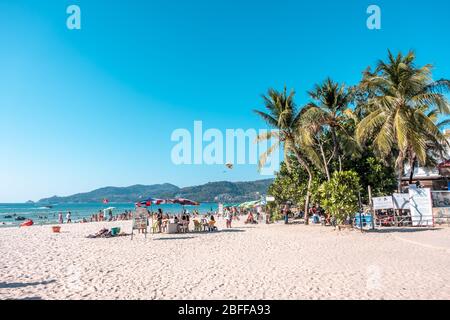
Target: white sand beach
[247, 262]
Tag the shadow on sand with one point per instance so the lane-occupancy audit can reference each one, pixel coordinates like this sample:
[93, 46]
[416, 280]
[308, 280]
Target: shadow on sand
[13, 285]
[175, 238]
[401, 230]
[199, 233]
[230, 230]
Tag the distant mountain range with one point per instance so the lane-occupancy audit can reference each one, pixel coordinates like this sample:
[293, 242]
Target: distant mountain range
[223, 191]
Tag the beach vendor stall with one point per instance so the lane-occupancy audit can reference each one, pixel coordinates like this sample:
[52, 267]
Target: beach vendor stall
[140, 221]
[148, 203]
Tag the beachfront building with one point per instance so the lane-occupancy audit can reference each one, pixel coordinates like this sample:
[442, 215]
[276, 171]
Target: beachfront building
[437, 178]
[433, 178]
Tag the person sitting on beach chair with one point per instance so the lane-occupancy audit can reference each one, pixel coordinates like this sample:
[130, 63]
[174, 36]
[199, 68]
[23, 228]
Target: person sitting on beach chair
[197, 225]
[211, 224]
[250, 218]
[164, 225]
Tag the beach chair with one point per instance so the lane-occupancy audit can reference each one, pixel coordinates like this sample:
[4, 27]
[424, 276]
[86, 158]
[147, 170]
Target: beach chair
[155, 227]
[197, 226]
[211, 226]
[184, 227]
[205, 224]
[164, 225]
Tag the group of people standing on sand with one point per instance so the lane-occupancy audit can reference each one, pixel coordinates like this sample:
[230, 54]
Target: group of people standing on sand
[182, 220]
[100, 216]
[97, 217]
[254, 215]
[316, 213]
[68, 217]
[229, 214]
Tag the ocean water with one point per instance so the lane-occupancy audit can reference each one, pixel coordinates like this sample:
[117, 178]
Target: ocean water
[43, 215]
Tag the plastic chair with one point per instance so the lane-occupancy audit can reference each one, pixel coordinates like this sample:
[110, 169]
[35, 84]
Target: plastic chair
[184, 227]
[197, 225]
[155, 227]
[211, 226]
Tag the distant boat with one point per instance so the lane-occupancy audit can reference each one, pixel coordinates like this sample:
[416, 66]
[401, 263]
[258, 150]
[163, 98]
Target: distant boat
[45, 207]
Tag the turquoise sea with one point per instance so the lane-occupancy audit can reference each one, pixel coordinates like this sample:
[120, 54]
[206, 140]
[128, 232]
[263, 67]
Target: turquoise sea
[44, 215]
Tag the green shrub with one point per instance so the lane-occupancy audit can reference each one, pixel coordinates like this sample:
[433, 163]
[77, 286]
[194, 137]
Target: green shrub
[339, 196]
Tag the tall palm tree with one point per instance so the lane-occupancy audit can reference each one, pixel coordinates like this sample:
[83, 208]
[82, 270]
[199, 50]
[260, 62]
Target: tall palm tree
[397, 121]
[283, 115]
[436, 150]
[327, 116]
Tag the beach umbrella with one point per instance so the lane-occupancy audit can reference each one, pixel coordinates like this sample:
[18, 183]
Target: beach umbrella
[251, 204]
[150, 201]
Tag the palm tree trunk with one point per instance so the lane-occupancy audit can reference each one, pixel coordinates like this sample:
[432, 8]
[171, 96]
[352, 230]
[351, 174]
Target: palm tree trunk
[305, 165]
[336, 149]
[400, 167]
[325, 162]
[412, 166]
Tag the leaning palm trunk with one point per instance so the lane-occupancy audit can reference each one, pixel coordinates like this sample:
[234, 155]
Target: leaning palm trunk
[325, 162]
[412, 166]
[336, 149]
[400, 168]
[305, 165]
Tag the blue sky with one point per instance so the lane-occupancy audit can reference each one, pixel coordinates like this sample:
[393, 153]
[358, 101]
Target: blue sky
[82, 109]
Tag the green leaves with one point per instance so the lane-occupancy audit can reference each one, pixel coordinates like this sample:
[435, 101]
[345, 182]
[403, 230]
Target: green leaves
[393, 116]
[339, 196]
[404, 107]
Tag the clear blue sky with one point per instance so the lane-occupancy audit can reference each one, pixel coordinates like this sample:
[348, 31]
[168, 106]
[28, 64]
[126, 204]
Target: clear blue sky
[95, 107]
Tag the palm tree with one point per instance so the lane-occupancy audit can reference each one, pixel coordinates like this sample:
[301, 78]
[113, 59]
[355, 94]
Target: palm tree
[436, 150]
[397, 122]
[283, 116]
[327, 116]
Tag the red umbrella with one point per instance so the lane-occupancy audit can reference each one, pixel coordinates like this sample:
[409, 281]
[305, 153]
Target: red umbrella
[150, 201]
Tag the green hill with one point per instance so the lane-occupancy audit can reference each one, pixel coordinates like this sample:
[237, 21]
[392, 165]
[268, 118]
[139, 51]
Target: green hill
[222, 191]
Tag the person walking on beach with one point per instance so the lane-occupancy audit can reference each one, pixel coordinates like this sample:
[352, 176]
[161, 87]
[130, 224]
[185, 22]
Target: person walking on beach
[286, 214]
[60, 218]
[69, 217]
[159, 218]
[267, 216]
[228, 218]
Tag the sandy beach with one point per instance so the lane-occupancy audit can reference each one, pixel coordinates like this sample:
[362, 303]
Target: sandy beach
[247, 262]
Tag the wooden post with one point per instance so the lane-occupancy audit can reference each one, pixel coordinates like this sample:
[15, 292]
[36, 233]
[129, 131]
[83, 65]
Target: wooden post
[369, 189]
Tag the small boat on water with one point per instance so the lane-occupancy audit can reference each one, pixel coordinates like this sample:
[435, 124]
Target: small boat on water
[20, 219]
